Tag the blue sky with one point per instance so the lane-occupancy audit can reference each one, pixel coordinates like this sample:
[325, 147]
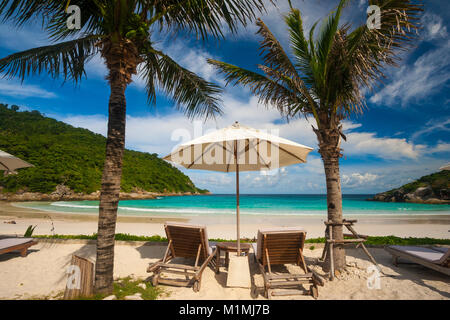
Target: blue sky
[403, 135]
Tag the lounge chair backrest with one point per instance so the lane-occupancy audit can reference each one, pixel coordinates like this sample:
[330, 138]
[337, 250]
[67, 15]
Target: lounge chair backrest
[186, 239]
[282, 244]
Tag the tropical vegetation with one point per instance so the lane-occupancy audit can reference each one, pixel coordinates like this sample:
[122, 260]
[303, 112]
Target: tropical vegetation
[74, 157]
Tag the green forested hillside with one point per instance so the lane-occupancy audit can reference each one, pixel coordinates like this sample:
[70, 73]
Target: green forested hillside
[63, 154]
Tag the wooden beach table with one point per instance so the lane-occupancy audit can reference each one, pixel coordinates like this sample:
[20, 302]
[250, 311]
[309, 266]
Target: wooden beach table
[229, 247]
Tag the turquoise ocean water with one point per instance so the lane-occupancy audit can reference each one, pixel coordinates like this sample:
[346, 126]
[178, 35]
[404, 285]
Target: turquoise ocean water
[212, 205]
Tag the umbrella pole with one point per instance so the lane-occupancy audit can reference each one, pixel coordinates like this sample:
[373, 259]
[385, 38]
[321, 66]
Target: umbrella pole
[237, 201]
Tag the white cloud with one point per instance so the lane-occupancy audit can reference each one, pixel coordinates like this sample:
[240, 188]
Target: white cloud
[357, 179]
[96, 67]
[434, 27]
[364, 143]
[428, 74]
[440, 147]
[432, 126]
[95, 123]
[154, 134]
[16, 89]
[193, 59]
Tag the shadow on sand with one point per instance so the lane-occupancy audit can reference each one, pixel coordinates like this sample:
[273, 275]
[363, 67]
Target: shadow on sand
[416, 273]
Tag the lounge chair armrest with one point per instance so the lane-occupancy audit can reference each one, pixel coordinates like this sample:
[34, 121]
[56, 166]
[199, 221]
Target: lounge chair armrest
[205, 263]
[154, 266]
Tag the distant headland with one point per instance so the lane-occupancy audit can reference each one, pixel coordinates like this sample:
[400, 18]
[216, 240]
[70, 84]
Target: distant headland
[430, 189]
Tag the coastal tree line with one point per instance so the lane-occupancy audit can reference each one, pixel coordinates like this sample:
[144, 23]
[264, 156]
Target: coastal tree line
[74, 157]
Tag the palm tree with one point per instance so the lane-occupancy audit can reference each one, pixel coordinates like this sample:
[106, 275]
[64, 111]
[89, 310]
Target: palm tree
[121, 31]
[324, 81]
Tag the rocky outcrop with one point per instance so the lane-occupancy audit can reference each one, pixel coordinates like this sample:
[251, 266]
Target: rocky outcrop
[420, 195]
[63, 193]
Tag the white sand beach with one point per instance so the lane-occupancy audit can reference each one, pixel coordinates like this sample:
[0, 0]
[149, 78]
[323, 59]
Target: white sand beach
[42, 274]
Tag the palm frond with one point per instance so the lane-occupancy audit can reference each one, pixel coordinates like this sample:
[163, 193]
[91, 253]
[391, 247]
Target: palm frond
[66, 58]
[151, 70]
[273, 54]
[275, 58]
[53, 16]
[21, 11]
[93, 18]
[269, 91]
[202, 17]
[193, 94]
[300, 47]
[326, 38]
[370, 51]
[206, 17]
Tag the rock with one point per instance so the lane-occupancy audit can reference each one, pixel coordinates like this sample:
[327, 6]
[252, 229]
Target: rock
[142, 285]
[398, 196]
[410, 197]
[444, 194]
[112, 297]
[424, 192]
[63, 192]
[430, 189]
[420, 195]
[133, 297]
[133, 276]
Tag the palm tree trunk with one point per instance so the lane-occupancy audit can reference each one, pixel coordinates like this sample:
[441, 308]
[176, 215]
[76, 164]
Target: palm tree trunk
[121, 59]
[109, 196]
[329, 149]
[334, 206]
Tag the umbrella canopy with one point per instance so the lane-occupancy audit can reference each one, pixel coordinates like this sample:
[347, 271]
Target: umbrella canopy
[238, 148]
[256, 150]
[9, 163]
[446, 167]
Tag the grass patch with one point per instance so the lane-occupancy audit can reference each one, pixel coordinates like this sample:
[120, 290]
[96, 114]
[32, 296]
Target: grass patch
[393, 240]
[128, 287]
[382, 240]
[119, 236]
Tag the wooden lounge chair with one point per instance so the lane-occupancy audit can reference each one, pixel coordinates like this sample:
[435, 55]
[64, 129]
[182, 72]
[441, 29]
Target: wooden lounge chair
[284, 246]
[16, 244]
[431, 257]
[186, 241]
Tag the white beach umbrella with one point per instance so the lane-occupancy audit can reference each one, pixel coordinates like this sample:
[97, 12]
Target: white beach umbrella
[10, 163]
[446, 167]
[238, 148]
